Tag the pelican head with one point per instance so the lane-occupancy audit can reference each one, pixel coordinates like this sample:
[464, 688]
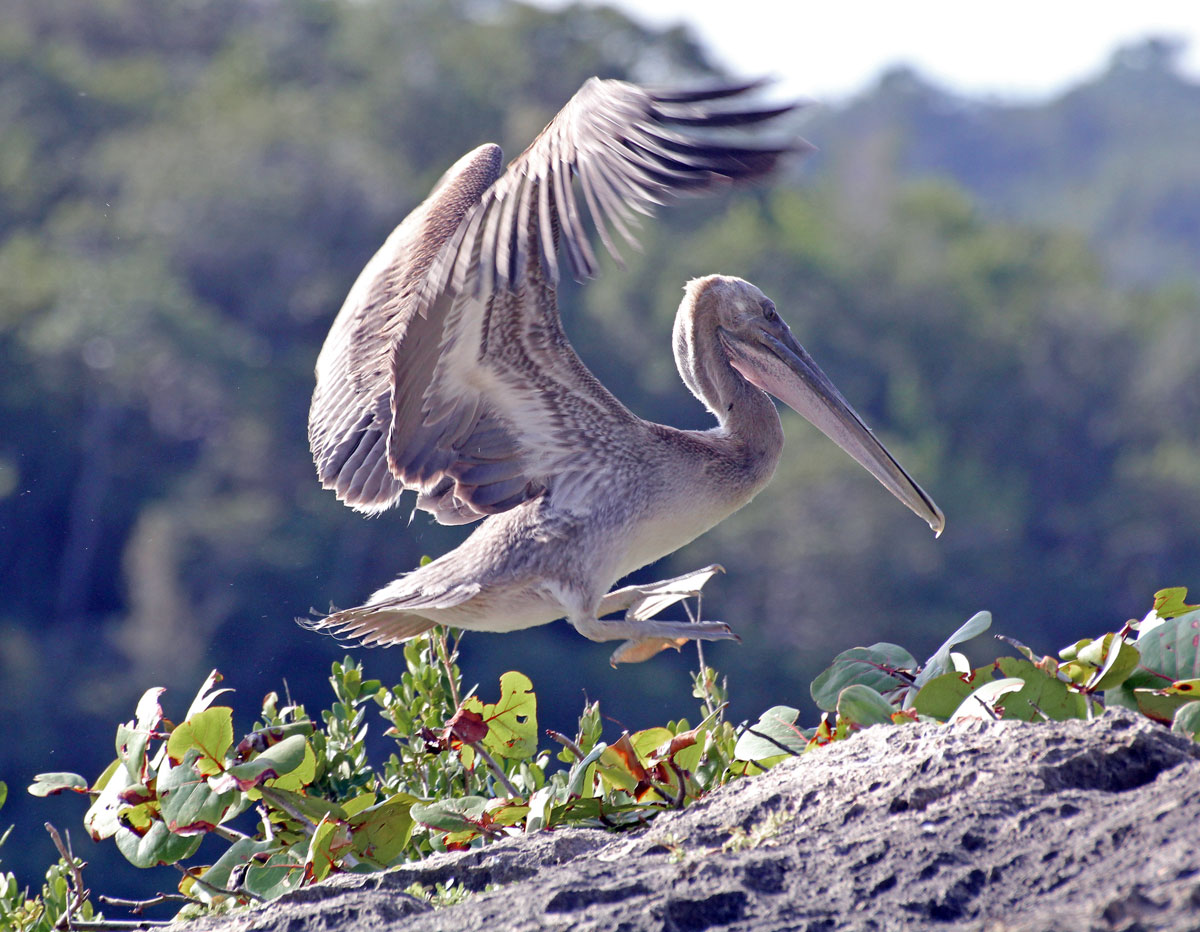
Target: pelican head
[728, 319]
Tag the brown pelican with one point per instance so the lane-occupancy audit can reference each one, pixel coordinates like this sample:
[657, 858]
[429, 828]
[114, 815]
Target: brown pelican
[447, 372]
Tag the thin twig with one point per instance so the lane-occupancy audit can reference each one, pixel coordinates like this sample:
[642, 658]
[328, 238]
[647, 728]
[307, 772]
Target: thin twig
[113, 925]
[443, 652]
[76, 876]
[280, 803]
[268, 828]
[229, 834]
[137, 907]
[566, 743]
[488, 759]
[678, 802]
[775, 741]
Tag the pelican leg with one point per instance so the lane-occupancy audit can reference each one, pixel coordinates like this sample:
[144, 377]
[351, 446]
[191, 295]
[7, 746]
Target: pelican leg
[643, 636]
[642, 602]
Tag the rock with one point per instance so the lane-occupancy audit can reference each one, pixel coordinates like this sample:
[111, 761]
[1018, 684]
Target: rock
[1071, 826]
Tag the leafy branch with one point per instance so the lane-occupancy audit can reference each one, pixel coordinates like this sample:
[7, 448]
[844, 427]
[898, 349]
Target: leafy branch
[307, 802]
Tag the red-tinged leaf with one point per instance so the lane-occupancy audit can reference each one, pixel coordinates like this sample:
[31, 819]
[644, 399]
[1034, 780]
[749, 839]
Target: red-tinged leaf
[512, 721]
[51, 784]
[329, 844]
[1159, 704]
[881, 666]
[136, 794]
[258, 741]
[466, 727]
[458, 814]
[189, 805]
[685, 739]
[275, 761]
[623, 750]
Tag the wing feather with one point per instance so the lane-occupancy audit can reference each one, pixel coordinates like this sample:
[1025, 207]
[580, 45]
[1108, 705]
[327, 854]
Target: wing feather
[447, 370]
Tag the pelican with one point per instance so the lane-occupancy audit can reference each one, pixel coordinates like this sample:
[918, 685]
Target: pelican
[447, 372]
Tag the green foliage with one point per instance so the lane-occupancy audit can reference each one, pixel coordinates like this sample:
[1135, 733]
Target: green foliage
[464, 772]
[295, 801]
[1152, 665]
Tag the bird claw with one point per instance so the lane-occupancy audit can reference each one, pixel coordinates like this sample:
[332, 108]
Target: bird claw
[637, 650]
[642, 602]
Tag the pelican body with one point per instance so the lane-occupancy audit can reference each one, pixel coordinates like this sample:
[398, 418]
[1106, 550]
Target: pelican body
[447, 372]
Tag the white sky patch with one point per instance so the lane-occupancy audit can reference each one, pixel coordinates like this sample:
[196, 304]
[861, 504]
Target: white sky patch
[1020, 49]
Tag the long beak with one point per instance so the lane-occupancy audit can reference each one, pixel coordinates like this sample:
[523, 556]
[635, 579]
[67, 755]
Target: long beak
[784, 368]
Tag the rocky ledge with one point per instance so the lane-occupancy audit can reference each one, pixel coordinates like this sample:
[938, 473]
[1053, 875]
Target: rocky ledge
[980, 826]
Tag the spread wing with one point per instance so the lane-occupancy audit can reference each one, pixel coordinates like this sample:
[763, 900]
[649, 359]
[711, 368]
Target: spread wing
[447, 370]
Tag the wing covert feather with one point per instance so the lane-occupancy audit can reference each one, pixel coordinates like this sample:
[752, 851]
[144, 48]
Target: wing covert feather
[447, 370]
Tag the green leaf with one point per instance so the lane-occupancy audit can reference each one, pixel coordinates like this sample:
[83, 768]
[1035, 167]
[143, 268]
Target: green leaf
[281, 874]
[577, 776]
[236, 855]
[982, 701]
[1187, 721]
[313, 808]
[1113, 657]
[541, 803]
[189, 805]
[863, 706]
[329, 843]
[51, 784]
[1168, 603]
[133, 737]
[157, 845]
[462, 813]
[210, 732]
[774, 734]
[871, 666]
[3, 793]
[512, 721]
[301, 775]
[101, 818]
[1160, 706]
[275, 761]
[1042, 693]
[1172, 650]
[383, 831]
[647, 741]
[940, 662]
[943, 695]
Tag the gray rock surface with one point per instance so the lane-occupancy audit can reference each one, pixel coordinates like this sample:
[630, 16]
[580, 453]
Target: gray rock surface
[980, 826]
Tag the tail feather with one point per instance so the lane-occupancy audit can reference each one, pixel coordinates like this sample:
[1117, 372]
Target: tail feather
[371, 626]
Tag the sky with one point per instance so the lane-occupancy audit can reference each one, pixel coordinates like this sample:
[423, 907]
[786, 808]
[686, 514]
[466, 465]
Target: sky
[1017, 50]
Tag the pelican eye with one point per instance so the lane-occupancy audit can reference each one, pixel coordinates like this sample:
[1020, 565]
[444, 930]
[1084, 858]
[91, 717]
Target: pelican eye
[769, 311]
